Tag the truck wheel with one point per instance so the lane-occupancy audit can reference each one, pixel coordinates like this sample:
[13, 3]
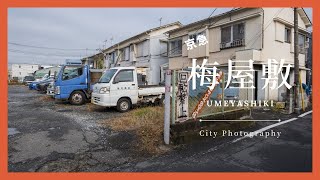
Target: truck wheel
[77, 98]
[44, 89]
[159, 102]
[162, 100]
[123, 105]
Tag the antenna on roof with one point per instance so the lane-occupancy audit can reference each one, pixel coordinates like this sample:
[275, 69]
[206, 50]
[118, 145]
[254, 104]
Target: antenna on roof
[105, 44]
[111, 39]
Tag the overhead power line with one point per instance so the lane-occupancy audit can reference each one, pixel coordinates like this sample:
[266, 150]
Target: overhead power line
[205, 20]
[53, 48]
[41, 54]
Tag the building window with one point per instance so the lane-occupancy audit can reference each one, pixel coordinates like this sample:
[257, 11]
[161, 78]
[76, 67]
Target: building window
[131, 48]
[140, 49]
[126, 54]
[226, 34]
[195, 36]
[175, 47]
[122, 54]
[143, 49]
[287, 35]
[232, 36]
[302, 43]
[307, 39]
[116, 52]
[111, 58]
[238, 31]
[163, 49]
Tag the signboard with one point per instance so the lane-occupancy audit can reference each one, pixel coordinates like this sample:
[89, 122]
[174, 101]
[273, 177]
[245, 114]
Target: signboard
[182, 96]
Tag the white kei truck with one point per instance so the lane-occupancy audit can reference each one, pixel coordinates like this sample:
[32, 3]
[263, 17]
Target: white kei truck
[118, 87]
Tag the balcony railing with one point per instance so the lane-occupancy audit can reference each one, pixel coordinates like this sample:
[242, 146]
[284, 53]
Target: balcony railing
[175, 52]
[235, 43]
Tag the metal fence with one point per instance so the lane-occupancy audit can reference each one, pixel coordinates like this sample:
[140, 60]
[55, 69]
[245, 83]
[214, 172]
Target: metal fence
[186, 100]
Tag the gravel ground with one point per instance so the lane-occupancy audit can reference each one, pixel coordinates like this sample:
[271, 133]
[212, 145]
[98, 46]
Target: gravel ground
[45, 135]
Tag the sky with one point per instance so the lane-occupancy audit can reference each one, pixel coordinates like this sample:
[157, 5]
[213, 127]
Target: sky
[51, 35]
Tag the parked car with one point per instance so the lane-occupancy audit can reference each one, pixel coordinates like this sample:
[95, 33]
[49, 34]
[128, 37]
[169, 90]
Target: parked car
[27, 80]
[74, 82]
[119, 87]
[43, 85]
[33, 84]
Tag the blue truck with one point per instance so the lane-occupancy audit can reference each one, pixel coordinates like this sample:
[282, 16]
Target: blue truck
[74, 83]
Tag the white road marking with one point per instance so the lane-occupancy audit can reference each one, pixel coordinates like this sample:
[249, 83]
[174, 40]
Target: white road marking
[272, 126]
[266, 128]
[207, 120]
[304, 114]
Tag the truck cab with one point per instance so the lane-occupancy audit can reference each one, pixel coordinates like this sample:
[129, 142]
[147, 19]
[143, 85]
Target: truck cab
[119, 87]
[74, 82]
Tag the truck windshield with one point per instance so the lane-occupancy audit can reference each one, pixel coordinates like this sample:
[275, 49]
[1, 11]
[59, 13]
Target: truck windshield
[70, 72]
[106, 77]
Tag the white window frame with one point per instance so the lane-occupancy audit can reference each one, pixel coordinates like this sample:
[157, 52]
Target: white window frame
[286, 40]
[231, 29]
[232, 36]
[303, 49]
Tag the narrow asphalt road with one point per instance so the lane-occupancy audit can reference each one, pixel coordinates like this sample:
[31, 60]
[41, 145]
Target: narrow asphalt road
[291, 152]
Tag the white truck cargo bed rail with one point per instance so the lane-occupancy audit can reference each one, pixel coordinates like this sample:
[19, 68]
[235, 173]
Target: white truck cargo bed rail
[149, 91]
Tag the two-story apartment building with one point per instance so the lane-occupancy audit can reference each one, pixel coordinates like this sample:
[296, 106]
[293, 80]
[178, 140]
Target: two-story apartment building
[147, 51]
[256, 34]
[95, 61]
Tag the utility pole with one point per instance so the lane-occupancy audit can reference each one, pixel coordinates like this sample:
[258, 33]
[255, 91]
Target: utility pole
[166, 128]
[296, 60]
